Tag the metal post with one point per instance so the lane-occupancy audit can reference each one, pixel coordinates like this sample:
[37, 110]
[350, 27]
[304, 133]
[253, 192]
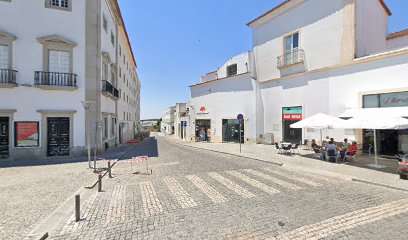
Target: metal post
[89, 146]
[375, 147]
[77, 208]
[95, 145]
[99, 183]
[147, 165]
[240, 137]
[110, 169]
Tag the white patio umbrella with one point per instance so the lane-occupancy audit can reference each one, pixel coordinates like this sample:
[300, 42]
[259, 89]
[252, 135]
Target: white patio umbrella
[375, 122]
[319, 121]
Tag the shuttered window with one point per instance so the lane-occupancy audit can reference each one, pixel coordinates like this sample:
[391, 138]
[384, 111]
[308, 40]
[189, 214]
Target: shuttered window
[4, 57]
[59, 61]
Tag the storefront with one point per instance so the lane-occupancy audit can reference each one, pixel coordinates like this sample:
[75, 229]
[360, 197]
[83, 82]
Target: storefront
[230, 131]
[203, 130]
[4, 137]
[389, 142]
[291, 115]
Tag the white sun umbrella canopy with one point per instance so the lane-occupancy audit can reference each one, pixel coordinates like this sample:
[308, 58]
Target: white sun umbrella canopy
[375, 122]
[319, 121]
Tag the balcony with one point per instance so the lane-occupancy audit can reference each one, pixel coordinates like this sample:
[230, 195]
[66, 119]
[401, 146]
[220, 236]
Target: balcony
[8, 78]
[109, 90]
[291, 58]
[55, 81]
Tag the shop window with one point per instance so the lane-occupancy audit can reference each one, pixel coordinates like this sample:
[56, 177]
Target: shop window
[26, 134]
[371, 101]
[105, 126]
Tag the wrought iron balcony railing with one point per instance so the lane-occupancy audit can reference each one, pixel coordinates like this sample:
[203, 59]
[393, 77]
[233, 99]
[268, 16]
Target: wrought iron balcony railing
[108, 88]
[291, 58]
[55, 79]
[8, 76]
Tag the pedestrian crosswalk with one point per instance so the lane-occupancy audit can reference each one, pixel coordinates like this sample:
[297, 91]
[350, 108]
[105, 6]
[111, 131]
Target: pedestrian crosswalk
[224, 186]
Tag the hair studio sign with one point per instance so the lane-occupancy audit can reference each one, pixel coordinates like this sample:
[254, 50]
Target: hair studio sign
[394, 99]
[203, 111]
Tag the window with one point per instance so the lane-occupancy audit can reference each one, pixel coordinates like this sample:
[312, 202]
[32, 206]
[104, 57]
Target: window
[105, 23]
[4, 57]
[105, 126]
[59, 4]
[120, 50]
[113, 38]
[232, 70]
[291, 48]
[26, 134]
[105, 72]
[120, 72]
[397, 99]
[371, 101]
[113, 126]
[58, 61]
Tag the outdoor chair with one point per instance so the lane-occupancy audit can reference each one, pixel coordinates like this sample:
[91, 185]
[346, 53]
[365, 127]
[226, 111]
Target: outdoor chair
[350, 155]
[317, 153]
[287, 149]
[295, 148]
[331, 154]
[278, 148]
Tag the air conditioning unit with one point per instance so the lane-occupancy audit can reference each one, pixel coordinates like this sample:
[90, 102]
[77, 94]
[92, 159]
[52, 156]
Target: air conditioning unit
[268, 139]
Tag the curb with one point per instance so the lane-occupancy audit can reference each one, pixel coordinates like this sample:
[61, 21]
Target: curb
[378, 184]
[231, 154]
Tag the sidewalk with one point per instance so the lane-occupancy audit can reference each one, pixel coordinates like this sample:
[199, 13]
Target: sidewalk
[268, 153]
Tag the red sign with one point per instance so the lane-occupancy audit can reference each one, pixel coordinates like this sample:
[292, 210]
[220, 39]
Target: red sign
[202, 109]
[27, 134]
[292, 117]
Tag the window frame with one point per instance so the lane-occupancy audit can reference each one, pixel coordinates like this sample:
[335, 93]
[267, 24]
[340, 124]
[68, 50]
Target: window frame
[105, 23]
[49, 5]
[56, 43]
[229, 67]
[7, 39]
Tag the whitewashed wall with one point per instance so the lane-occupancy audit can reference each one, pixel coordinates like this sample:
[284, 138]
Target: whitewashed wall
[225, 99]
[320, 27]
[396, 43]
[29, 20]
[372, 27]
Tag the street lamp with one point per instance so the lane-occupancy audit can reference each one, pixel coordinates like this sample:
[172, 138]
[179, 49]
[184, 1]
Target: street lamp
[87, 106]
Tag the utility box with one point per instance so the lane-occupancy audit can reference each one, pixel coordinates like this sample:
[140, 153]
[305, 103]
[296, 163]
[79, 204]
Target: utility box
[268, 139]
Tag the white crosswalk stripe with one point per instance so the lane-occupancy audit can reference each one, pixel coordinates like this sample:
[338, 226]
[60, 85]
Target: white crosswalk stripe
[253, 182]
[213, 194]
[294, 177]
[231, 185]
[331, 226]
[274, 180]
[151, 204]
[181, 195]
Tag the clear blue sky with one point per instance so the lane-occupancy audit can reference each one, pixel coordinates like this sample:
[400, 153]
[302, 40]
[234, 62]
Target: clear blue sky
[176, 42]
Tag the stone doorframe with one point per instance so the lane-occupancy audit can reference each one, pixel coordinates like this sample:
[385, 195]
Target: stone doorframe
[44, 127]
[10, 114]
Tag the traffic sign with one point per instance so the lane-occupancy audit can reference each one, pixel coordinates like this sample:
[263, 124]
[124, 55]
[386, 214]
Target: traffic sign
[240, 117]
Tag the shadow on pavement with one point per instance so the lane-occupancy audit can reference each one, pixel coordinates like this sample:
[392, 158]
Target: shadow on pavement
[146, 148]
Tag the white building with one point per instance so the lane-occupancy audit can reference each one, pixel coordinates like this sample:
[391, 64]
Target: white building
[180, 120]
[167, 123]
[312, 56]
[69, 51]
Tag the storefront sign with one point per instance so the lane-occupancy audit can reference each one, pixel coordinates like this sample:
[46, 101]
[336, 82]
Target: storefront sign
[26, 134]
[203, 111]
[394, 99]
[292, 113]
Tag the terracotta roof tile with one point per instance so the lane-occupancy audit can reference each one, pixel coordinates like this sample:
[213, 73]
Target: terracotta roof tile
[383, 4]
[398, 34]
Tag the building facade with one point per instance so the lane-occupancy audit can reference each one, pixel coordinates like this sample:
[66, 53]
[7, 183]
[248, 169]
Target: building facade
[315, 56]
[167, 123]
[69, 53]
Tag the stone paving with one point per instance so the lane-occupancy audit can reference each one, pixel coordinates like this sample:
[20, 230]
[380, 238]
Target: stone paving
[209, 195]
[31, 190]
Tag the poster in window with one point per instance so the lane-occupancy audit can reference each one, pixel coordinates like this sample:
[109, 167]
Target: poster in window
[27, 134]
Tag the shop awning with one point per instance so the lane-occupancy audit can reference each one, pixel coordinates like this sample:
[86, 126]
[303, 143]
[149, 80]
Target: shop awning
[391, 111]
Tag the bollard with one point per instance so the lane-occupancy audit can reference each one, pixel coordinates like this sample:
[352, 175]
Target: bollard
[99, 183]
[77, 208]
[110, 169]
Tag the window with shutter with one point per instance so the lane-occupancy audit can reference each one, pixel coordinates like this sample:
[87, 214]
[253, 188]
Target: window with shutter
[4, 57]
[59, 61]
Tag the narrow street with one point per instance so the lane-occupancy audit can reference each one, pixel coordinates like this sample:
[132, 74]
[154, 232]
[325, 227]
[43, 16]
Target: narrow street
[197, 194]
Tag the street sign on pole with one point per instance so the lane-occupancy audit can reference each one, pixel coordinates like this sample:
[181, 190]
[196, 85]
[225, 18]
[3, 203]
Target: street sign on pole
[240, 117]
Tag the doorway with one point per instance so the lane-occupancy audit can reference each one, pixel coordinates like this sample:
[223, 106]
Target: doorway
[203, 130]
[58, 136]
[4, 137]
[230, 131]
[291, 115]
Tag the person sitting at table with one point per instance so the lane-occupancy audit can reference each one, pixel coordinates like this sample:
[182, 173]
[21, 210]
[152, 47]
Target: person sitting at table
[344, 147]
[332, 149]
[351, 151]
[318, 149]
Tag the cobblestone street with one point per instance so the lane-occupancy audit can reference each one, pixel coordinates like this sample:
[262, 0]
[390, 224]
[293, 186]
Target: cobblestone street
[197, 194]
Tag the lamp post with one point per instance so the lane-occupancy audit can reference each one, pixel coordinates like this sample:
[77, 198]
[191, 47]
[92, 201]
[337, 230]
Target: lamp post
[87, 106]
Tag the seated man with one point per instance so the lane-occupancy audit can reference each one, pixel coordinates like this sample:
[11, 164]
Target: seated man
[352, 150]
[344, 147]
[332, 149]
[318, 149]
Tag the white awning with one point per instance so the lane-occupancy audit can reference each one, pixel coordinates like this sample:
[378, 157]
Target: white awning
[391, 111]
